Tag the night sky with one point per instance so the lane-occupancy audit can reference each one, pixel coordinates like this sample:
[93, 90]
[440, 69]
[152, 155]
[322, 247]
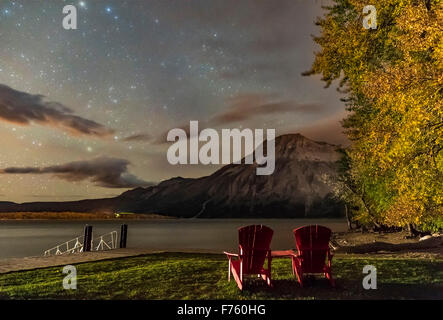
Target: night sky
[83, 112]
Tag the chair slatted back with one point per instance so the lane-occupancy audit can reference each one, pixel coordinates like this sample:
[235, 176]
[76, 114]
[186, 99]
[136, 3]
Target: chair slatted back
[254, 242]
[312, 244]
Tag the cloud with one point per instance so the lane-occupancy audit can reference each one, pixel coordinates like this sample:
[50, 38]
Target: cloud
[138, 137]
[162, 137]
[24, 109]
[246, 106]
[103, 171]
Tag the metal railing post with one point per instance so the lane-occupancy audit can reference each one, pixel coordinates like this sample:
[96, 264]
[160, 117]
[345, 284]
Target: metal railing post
[87, 238]
[123, 235]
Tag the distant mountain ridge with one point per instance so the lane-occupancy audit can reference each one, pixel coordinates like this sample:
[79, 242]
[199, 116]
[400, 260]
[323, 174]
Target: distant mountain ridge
[295, 189]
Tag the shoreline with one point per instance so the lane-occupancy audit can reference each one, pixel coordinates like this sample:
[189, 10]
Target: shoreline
[78, 216]
[146, 216]
[8, 265]
[92, 219]
[345, 245]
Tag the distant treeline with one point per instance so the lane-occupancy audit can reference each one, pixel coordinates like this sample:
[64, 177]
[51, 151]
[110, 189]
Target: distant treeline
[74, 216]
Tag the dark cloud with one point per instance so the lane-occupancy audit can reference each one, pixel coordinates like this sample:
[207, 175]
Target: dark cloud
[104, 172]
[23, 108]
[161, 138]
[138, 137]
[246, 106]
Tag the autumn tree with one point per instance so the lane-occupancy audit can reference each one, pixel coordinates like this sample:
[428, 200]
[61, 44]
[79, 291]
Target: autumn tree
[392, 81]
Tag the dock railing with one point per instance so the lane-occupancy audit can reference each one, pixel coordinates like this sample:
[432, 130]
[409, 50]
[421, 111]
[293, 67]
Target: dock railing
[107, 241]
[70, 246]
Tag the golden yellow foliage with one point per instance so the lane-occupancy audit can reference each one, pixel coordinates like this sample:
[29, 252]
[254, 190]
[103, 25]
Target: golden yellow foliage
[394, 79]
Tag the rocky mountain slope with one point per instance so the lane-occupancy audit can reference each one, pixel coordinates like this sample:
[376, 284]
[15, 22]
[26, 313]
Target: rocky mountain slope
[295, 189]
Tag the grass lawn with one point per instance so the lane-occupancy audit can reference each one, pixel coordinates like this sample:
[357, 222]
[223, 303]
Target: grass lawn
[204, 276]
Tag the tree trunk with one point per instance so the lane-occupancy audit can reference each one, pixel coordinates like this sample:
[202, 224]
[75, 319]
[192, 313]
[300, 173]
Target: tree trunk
[348, 218]
[412, 231]
[428, 4]
[369, 213]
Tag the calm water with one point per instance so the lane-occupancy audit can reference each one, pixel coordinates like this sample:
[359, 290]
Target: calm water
[31, 238]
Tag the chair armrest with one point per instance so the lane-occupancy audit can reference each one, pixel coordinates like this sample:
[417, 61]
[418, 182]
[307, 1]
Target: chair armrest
[296, 257]
[230, 254]
[295, 253]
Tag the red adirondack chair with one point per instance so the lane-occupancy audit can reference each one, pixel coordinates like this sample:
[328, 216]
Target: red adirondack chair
[254, 247]
[313, 249]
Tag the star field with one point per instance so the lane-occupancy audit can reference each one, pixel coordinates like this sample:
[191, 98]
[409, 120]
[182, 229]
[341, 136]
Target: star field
[142, 67]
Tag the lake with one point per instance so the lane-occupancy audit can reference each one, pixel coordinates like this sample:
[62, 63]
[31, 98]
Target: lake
[31, 237]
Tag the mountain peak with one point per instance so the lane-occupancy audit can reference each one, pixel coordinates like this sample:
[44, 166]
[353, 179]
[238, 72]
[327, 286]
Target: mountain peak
[296, 137]
[295, 146]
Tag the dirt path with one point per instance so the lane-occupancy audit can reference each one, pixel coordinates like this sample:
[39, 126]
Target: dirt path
[28, 263]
